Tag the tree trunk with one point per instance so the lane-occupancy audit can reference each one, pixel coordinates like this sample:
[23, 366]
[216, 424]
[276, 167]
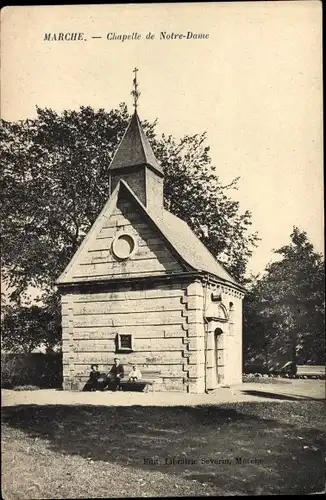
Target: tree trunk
[266, 358]
[294, 355]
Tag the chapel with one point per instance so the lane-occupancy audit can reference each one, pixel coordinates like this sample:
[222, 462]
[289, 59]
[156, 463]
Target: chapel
[144, 288]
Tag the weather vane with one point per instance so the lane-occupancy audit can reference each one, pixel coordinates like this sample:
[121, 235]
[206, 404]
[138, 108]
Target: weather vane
[135, 92]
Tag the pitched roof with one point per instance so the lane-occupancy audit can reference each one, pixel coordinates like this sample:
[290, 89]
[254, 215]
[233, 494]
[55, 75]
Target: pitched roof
[184, 244]
[134, 149]
[65, 276]
[189, 247]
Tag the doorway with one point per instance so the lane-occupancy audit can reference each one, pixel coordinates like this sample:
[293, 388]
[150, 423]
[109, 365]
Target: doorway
[219, 354]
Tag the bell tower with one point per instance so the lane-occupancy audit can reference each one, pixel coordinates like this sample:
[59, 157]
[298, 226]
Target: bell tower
[135, 163]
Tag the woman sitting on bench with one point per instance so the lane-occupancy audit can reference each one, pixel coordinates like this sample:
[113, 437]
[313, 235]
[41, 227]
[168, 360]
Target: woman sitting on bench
[135, 374]
[95, 381]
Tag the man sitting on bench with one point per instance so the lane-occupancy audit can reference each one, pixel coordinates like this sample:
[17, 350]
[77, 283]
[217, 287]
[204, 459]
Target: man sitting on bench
[135, 374]
[116, 374]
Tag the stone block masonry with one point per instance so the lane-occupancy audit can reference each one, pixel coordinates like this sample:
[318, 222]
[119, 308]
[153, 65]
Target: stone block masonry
[159, 321]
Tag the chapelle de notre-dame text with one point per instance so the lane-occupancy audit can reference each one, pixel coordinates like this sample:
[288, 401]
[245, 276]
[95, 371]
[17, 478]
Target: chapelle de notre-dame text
[123, 37]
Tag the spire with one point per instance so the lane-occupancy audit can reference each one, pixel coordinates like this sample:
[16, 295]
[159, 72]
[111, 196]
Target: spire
[135, 163]
[134, 148]
[135, 92]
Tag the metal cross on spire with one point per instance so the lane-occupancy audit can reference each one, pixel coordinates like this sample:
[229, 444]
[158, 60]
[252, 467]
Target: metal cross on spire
[135, 92]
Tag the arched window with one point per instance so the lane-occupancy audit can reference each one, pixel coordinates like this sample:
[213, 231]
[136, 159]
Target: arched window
[231, 318]
[218, 332]
[217, 311]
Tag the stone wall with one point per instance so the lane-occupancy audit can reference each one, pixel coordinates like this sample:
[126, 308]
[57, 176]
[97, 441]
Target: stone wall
[154, 193]
[225, 365]
[166, 324]
[235, 355]
[135, 178]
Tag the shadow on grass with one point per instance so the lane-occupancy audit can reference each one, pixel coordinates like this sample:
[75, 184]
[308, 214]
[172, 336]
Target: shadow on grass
[274, 395]
[202, 434]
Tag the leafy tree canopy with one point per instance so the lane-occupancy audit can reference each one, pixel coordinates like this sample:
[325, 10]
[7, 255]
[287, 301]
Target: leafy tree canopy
[56, 180]
[28, 326]
[284, 310]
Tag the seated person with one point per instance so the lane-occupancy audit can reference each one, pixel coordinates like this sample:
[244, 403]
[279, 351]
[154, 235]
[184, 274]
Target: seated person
[116, 373]
[94, 381]
[135, 374]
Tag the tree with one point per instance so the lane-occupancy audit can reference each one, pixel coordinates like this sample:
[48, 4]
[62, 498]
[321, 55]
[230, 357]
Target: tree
[56, 180]
[284, 310]
[26, 327]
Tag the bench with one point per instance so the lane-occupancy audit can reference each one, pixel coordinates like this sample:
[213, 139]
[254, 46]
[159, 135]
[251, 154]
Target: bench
[302, 371]
[314, 371]
[149, 377]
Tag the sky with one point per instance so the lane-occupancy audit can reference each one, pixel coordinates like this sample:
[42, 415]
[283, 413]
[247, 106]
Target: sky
[254, 84]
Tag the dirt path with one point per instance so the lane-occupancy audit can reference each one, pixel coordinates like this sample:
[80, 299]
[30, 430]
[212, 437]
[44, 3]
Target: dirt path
[58, 444]
[285, 391]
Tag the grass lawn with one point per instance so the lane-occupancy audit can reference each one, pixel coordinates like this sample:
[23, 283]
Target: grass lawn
[79, 451]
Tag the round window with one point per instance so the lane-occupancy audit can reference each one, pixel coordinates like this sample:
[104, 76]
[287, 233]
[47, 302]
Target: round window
[123, 246]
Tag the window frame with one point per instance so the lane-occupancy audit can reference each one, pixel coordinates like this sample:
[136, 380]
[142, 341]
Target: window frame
[120, 347]
[117, 237]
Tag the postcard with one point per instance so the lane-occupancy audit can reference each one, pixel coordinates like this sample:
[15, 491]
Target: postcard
[162, 267]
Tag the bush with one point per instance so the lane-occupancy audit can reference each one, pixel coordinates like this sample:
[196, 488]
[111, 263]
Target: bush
[256, 368]
[26, 388]
[263, 380]
[36, 369]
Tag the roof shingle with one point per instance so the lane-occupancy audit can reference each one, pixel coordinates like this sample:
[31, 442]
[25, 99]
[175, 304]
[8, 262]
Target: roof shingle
[192, 250]
[134, 149]
[185, 242]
